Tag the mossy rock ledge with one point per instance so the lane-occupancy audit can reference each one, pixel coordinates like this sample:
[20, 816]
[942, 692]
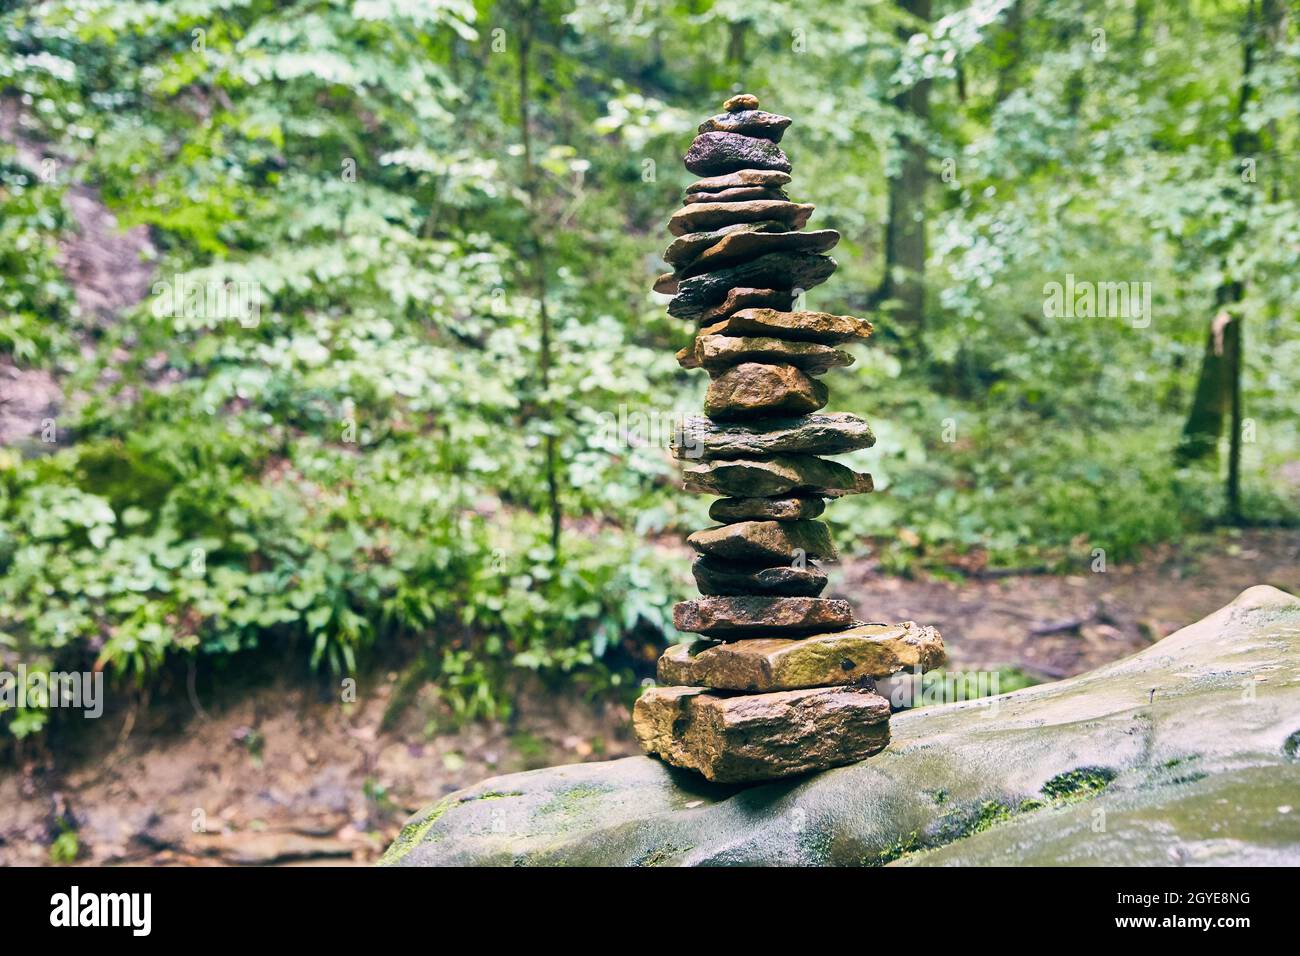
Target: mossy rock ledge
[1186, 753]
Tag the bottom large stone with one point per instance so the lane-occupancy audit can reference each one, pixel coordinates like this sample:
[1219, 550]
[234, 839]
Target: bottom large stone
[736, 739]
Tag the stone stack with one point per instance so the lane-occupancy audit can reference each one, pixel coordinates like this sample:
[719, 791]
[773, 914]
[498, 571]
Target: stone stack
[782, 681]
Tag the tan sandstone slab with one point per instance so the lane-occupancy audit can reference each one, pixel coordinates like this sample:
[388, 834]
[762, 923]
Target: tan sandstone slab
[742, 177]
[780, 475]
[751, 389]
[741, 101]
[665, 284]
[824, 327]
[833, 434]
[758, 616]
[736, 194]
[867, 651]
[717, 353]
[743, 297]
[703, 216]
[766, 542]
[732, 739]
[788, 508]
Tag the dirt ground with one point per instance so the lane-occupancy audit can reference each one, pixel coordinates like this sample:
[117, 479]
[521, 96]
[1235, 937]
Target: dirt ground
[280, 775]
[1052, 626]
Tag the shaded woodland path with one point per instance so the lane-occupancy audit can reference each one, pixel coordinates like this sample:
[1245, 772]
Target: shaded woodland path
[284, 774]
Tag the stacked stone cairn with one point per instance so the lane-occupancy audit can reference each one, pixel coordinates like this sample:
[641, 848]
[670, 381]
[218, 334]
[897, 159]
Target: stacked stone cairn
[782, 681]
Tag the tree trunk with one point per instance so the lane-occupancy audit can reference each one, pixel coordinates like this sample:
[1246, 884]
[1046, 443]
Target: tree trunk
[1010, 43]
[904, 278]
[1218, 387]
[1210, 403]
[537, 264]
[1233, 346]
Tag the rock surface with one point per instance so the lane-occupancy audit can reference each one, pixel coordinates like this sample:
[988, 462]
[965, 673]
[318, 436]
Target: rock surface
[665, 284]
[683, 250]
[703, 216]
[800, 326]
[754, 615]
[741, 101]
[716, 353]
[744, 298]
[736, 194]
[763, 736]
[754, 388]
[739, 245]
[720, 352]
[699, 438]
[765, 543]
[776, 270]
[724, 577]
[751, 122]
[712, 154]
[1186, 765]
[792, 508]
[744, 177]
[748, 478]
[767, 664]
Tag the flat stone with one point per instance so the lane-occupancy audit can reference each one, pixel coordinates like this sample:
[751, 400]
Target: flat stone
[699, 438]
[741, 101]
[712, 154]
[724, 577]
[792, 508]
[732, 739]
[665, 284]
[783, 474]
[799, 326]
[765, 543]
[738, 194]
[738, 299]
[751, 389]
[741, 177]
[863, 652]
[748, 123]
[749, 615]
[716, 353]
[703, 216]
[776, 270]
[684, 249]
[739, 246]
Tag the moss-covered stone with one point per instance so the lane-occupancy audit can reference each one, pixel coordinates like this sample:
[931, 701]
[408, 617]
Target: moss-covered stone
[767, 664]
[1093, 770]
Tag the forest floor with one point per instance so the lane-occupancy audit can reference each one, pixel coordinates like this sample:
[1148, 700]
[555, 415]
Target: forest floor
[283, 774]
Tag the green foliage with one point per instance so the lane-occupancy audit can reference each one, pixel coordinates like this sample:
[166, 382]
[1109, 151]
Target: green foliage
[65, 847]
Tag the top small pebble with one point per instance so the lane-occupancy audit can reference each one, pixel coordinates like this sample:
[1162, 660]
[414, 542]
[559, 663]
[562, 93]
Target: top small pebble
[741, 101]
